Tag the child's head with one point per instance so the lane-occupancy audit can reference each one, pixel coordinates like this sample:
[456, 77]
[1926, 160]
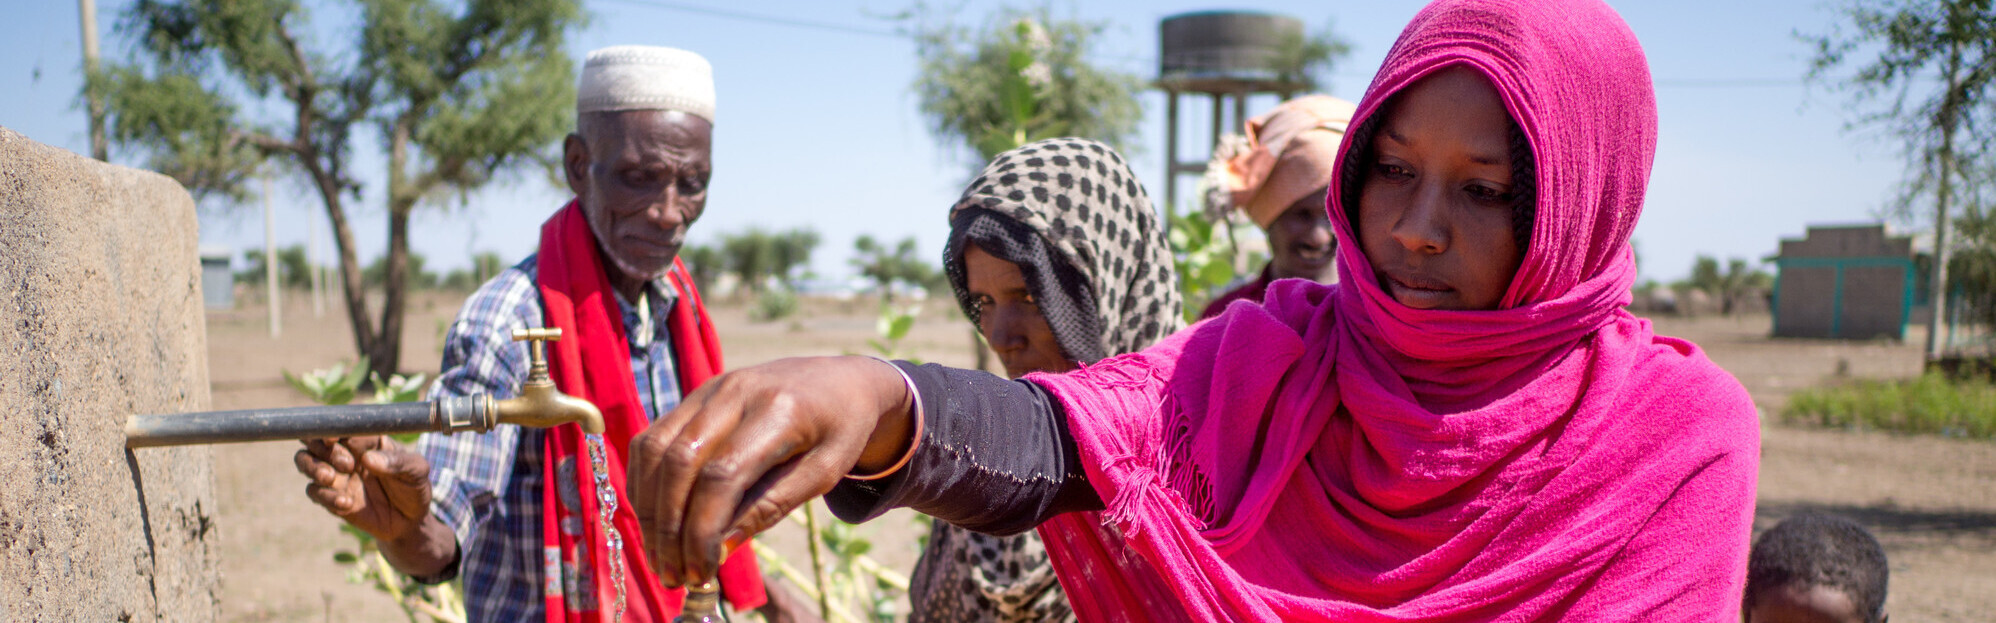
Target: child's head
[1815, 567]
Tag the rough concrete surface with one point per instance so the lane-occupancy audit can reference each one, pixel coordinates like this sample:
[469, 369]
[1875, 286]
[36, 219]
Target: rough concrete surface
[100, 318]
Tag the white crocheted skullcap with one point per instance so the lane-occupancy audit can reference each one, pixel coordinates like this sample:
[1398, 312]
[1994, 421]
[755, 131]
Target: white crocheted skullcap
[646, 77]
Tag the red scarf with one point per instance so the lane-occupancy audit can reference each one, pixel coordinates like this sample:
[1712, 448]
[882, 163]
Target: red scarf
[592, 361]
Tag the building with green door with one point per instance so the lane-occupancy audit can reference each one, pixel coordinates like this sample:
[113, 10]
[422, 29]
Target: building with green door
[1844, 281]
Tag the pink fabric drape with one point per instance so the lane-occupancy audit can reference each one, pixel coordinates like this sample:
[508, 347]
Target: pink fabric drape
[1332, 455]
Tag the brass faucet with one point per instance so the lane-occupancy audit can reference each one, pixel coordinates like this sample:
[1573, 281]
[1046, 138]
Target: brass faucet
[539, 404]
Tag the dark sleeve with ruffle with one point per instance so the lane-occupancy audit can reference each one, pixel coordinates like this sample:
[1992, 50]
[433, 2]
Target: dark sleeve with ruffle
[995, 457]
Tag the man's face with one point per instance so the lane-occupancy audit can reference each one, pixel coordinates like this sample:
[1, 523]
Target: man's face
[1302, 242]
[641, 178]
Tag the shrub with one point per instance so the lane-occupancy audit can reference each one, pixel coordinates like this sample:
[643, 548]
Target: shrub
[1931, 404]
[773, 304]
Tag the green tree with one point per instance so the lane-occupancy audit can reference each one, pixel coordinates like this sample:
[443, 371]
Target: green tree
[885, 265]
[1972, 273]
[292, 269]
[1306, 58]
[1730, 286]
[456, 93]
[792, 254]
[1022, 77]
[1930, 85]
[484, 265]
[704, 263]
[413, 274]
[756, 255]
[747, 254]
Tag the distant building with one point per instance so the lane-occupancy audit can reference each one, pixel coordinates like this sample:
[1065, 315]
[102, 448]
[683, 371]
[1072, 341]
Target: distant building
[218, 284]
[1844, 281]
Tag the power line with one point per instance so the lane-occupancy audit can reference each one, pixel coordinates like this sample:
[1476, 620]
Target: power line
[1726, 83]
[1136, 60]
[760, 18]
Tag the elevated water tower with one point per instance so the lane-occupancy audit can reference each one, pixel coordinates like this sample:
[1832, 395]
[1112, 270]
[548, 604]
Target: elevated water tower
[1220, 54]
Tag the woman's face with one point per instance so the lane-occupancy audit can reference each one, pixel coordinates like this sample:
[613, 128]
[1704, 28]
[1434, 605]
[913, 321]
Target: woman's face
[1301, 240]
[1434, 214]
[1009, 317]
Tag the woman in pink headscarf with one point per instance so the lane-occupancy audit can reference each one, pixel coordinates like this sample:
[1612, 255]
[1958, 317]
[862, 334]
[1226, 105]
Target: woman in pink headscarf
[1468, 428]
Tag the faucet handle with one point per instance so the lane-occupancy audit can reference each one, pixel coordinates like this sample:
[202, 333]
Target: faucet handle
[551, 334]
[537, 340]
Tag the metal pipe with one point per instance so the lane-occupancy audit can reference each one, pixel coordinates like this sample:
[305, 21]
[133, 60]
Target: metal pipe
[475, 413]
[144, 431]
[539, 404]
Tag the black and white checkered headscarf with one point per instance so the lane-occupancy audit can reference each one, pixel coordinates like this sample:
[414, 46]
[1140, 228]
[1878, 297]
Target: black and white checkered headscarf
[1074, 219]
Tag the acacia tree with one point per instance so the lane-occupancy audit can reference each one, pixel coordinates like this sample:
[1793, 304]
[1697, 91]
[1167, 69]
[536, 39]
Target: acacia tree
[1022, 77]
[1930, 84]
[756, 255]
[885, 265]
[1731, 285]
[457, 93]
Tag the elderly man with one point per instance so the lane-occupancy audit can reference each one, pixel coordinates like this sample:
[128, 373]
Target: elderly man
[1279, 176]
[513, 511]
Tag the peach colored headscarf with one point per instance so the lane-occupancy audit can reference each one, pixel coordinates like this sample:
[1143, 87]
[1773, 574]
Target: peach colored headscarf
[1288, 156]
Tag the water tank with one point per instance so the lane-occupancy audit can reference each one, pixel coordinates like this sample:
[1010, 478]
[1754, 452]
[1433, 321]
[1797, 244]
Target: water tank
[1225, 51]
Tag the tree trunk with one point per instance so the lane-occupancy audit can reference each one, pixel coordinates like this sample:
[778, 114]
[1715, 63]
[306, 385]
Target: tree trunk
[351, 287]
[1937, 285]
[384, 354]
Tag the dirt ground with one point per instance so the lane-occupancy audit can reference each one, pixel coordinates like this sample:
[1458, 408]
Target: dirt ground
[1932, 501]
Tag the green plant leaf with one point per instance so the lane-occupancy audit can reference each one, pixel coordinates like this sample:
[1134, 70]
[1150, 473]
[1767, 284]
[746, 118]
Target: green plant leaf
[898, 328]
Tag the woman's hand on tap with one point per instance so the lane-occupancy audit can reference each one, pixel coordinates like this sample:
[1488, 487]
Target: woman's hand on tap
[748, 447]
[383, 489]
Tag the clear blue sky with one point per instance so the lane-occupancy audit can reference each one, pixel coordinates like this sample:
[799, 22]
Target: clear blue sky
[817, 126]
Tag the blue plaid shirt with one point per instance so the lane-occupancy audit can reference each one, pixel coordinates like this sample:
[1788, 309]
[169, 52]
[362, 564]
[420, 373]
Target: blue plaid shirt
[487, 487]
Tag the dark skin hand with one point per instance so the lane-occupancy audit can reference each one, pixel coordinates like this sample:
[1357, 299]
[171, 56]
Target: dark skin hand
[383, 489]
[749, 446]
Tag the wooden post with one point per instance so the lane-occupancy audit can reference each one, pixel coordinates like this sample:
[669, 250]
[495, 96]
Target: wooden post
[87, 13]
[270, 261]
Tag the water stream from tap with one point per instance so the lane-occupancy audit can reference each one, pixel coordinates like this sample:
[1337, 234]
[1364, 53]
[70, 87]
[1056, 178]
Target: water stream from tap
[606, 504]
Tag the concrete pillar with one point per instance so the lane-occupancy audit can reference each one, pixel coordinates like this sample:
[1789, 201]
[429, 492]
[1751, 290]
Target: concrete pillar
[100, 318]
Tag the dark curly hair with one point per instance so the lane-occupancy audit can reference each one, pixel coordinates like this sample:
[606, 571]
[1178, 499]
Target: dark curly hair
[1815, 549]
[1524, 181]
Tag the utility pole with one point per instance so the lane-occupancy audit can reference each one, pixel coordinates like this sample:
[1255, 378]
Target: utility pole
[100, 148]
[312, 267]
[270, 261]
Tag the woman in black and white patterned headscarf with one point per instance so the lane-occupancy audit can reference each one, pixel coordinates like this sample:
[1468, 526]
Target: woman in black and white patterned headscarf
[1057, 256]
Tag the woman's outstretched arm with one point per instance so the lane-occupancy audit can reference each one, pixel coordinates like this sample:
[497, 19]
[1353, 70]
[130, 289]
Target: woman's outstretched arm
[995, 457]
[745, 449]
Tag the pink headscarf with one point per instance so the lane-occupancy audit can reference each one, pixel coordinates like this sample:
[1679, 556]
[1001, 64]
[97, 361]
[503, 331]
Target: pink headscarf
[1333, 455]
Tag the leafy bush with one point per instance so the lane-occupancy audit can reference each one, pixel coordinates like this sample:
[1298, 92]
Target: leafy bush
[774, 304]
[1931, 404]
